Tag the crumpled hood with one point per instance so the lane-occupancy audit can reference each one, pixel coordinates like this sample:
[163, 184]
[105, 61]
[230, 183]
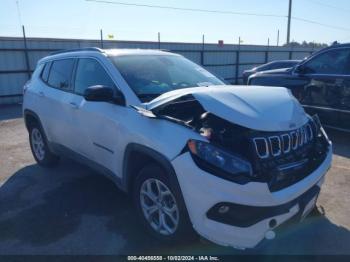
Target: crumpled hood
[256, 107]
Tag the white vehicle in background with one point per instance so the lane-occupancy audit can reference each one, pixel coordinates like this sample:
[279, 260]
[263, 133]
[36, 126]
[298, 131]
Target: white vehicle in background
[231, 163]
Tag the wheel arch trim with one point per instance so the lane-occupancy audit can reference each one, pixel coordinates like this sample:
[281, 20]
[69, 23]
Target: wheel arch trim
[28, 112]
[157, 157]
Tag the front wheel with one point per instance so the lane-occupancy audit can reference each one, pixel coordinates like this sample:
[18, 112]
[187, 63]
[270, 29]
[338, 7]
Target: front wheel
[160, 205]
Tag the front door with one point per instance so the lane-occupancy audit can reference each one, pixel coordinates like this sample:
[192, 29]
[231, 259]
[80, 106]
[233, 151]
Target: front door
[97, 129]
[327, 91]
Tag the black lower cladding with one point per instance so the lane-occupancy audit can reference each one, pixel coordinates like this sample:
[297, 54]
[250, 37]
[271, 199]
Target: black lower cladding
[246, 216]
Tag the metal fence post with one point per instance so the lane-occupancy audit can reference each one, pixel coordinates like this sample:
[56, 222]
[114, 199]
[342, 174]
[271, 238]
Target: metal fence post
[158, 40]
[202, 52]
[101, 38]
[237, 66]
[26, 52]
[237, 61]
[267, 51]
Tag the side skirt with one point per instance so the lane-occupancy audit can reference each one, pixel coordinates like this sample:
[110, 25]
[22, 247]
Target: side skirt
[64, 151]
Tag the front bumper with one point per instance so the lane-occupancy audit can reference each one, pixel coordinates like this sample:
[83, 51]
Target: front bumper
[202, 191]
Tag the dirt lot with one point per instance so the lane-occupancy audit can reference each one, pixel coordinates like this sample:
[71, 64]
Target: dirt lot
[73, 210]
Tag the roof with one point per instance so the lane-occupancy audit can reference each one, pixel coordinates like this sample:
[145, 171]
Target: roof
[107, 52]
[114, 51]
[335, 45]
[117, 52]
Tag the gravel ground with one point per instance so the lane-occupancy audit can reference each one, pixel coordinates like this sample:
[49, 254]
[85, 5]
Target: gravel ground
[71, 209]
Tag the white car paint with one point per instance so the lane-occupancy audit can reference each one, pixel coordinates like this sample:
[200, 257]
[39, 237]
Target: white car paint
[210, 190]
[265, 109]
[70, 120]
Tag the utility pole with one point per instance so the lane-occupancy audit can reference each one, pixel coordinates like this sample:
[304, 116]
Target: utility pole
[278, 37]
[289, 20]
[101, 38]
[202, 52]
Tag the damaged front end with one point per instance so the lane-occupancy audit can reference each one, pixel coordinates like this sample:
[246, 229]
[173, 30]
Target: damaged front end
[241, 154]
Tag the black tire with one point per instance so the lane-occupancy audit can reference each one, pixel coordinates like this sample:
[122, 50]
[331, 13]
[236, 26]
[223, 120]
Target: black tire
[47, 159]
[184, 230]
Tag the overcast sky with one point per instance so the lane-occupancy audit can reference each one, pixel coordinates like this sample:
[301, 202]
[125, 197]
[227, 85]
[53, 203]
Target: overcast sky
[83, 19]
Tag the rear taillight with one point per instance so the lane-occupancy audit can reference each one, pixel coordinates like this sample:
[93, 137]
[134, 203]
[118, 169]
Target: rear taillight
[26, 86]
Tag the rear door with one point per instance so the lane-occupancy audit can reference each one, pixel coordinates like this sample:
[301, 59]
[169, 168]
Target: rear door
[344, 106]
[56, 94]
[327, 91]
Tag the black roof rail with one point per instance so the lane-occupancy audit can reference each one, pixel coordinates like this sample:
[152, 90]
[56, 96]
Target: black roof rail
[77, 50]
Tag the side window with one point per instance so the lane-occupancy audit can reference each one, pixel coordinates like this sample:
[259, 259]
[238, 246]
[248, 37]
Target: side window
[89, 72]
[60, 73]
[45, 72]
[331, 62]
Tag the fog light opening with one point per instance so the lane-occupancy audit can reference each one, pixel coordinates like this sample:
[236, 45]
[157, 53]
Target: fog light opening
[272, 223]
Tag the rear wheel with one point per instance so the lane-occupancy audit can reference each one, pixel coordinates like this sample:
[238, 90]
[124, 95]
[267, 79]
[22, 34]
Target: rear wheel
[38, 145]
[160, 205]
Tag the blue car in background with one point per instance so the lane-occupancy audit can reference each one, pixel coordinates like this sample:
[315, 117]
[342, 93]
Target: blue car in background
[269, 66]
[321, 83]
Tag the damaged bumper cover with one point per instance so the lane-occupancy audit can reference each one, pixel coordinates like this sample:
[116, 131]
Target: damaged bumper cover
[203, 192]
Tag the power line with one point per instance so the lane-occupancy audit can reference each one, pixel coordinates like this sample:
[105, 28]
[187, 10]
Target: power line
[218, 12]
[321, 24]
[330, 6]
[186, 9]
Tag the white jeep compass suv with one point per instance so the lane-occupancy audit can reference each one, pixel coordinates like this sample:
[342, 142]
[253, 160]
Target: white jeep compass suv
[231, 163]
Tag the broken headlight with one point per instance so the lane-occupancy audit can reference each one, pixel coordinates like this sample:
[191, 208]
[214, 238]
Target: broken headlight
[319, 128]
[212, 159]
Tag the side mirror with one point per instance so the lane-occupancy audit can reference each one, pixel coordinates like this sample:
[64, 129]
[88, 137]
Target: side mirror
[100, 93]
[119, 98]
[300, 69]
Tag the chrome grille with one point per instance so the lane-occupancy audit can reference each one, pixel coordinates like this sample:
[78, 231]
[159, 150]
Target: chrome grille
[276, 145]
[286, 142]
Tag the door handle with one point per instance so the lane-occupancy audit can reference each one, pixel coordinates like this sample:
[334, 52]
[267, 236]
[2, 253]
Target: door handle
[74, 105]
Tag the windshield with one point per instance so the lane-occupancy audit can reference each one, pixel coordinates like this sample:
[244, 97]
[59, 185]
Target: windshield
[152, 75]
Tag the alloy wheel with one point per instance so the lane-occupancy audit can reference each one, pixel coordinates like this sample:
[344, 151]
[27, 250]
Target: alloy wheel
[159, 206]
[38, 144]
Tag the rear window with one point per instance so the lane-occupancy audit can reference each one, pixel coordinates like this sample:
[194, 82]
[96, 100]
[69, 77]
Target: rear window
[60, 73]
[45, 72]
